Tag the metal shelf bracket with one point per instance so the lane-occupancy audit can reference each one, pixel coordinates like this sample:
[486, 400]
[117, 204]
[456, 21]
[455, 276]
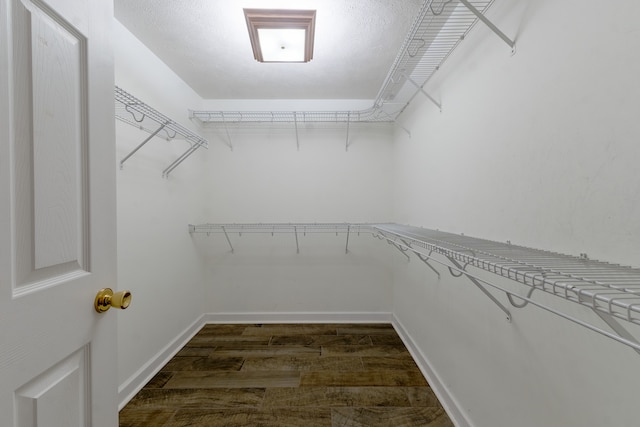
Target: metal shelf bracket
[421, 89]
[461, 270]
[617, 328]
[346, 248]
[348, 123]
[124, 159]
[228, 240]
[226, 129]
[295, 121]
[492, 27]
[402, 250]
[421, 257]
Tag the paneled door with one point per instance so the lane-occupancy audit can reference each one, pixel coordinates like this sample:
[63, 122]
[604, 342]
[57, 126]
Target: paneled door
[57, 214]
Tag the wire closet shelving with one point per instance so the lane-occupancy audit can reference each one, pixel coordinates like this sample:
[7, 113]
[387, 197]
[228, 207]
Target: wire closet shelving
[611, 291]
[437, 30]
[131, 110]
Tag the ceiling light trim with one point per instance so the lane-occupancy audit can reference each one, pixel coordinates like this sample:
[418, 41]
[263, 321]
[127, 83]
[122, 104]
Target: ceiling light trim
[280, 19]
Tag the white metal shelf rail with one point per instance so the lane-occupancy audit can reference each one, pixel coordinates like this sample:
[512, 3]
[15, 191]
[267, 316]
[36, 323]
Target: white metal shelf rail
[244, 119]
[131, 110]
[437, 30]
[278, 228]
[611, 291]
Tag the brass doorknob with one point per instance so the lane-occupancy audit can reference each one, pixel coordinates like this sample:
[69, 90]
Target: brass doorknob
[106, 299]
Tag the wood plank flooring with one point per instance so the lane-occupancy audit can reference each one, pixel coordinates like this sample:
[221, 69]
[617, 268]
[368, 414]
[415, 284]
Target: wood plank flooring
[338, 375]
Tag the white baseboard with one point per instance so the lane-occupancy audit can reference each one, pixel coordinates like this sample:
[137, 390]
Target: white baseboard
[300, 317]
[134, 384]
[445, 397]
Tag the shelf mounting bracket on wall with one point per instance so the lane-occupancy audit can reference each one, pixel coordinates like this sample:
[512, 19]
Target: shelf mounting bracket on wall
[226, 129]
[348, 123]
[617, 328]
[176, 162]
[421, 89]
[228, 240]
[496, 30]
[125, 158]
[295, 121]
[398, 247]
[422, 258]
[346, 249]
[461, 270]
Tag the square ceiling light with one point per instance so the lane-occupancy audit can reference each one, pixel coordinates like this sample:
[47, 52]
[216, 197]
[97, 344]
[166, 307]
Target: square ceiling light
[279, 35]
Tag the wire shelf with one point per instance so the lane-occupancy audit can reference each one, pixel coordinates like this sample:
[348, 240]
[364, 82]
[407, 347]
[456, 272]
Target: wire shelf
[278, 228]
[609, 288]
[134, 112]
[437, 30]
[231, 117]
[327, 227]
[612, 291]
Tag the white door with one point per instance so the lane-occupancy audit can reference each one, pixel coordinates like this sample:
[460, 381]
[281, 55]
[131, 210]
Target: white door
[57, 214]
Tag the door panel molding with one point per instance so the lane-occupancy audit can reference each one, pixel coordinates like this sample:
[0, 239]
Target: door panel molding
[65, 385]
[49, 146]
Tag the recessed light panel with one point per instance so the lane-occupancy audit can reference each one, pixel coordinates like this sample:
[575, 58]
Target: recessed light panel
[281, 35]
[282, 44]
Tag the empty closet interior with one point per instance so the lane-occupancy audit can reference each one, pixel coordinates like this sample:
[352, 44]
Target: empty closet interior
[484, 201]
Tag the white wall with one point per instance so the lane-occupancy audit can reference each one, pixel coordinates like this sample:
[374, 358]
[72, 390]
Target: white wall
[157, 260]
[266, 280]
[175, 277]
[266, 179]
[539, 148]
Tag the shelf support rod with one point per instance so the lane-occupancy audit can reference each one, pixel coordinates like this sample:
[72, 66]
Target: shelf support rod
[182, 158]
[617, 327]
[480, 286]
[426, 261]
[226, 129]
[227, 236]
[395, 245]
[346, 249]
[348, 123]
[403, 128]
[421, 257]
[421, 89]
[496, 30]
[295, 231]
[141, 145]
[295, 121]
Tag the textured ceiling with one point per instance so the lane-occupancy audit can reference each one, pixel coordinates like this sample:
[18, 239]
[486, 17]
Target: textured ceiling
[206, 43]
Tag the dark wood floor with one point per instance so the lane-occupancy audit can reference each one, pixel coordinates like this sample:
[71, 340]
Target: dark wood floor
[289, 375]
